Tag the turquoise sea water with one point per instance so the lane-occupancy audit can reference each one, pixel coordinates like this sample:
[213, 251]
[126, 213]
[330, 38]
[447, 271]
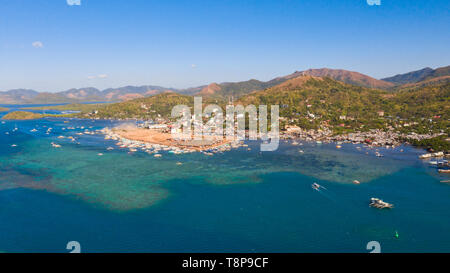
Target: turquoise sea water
[239, 201]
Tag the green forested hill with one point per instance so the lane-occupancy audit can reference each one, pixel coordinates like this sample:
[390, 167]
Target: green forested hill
[143, 108]
[310, 101]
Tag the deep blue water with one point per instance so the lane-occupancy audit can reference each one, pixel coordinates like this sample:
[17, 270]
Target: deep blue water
[240, 201]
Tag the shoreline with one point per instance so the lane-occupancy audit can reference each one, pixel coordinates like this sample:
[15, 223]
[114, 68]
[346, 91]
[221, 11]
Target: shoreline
[372, 137]
[153, 141]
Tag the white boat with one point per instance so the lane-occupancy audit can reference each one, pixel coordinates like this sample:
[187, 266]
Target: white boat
[317, 187]
[380, 204]
[56, 145]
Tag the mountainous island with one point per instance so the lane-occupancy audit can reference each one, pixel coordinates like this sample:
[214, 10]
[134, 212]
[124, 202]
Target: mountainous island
[414, 105]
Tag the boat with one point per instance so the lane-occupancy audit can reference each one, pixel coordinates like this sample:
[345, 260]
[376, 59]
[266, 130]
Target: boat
[438, 154]
[338, 146]
[445, 181]
[380, 204]
[56, 145]
[356, 182]
[444, 171]
[443, 163]
[317, 187]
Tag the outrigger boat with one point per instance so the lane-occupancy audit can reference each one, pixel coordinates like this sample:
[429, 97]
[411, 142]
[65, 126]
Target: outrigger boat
[317, 187]
[380, 204]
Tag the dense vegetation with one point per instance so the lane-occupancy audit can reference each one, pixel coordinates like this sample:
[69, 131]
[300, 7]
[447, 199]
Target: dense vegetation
[20, 115]
[23, 115]
[144, 108]
[310, 102]
[439, 143]
[307, 101]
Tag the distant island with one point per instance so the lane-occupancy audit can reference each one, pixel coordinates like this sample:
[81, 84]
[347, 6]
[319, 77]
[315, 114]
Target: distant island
[20, 115]
[3, 109]
[23, 115]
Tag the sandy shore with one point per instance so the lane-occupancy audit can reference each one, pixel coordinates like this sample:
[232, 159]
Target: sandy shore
[154, 136]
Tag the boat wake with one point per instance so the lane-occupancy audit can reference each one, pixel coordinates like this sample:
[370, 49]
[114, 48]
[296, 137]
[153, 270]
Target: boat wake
[323, 191]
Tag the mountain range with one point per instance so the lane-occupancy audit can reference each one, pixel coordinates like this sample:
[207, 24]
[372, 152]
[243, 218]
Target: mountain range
[227, 90]
[419, 75]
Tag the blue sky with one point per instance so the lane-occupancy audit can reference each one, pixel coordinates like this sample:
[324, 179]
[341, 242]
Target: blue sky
[48, 45]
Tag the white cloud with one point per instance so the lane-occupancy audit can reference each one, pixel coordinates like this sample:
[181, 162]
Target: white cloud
[74, 2]
[37, 44]
[193, 65]
[101, 76]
